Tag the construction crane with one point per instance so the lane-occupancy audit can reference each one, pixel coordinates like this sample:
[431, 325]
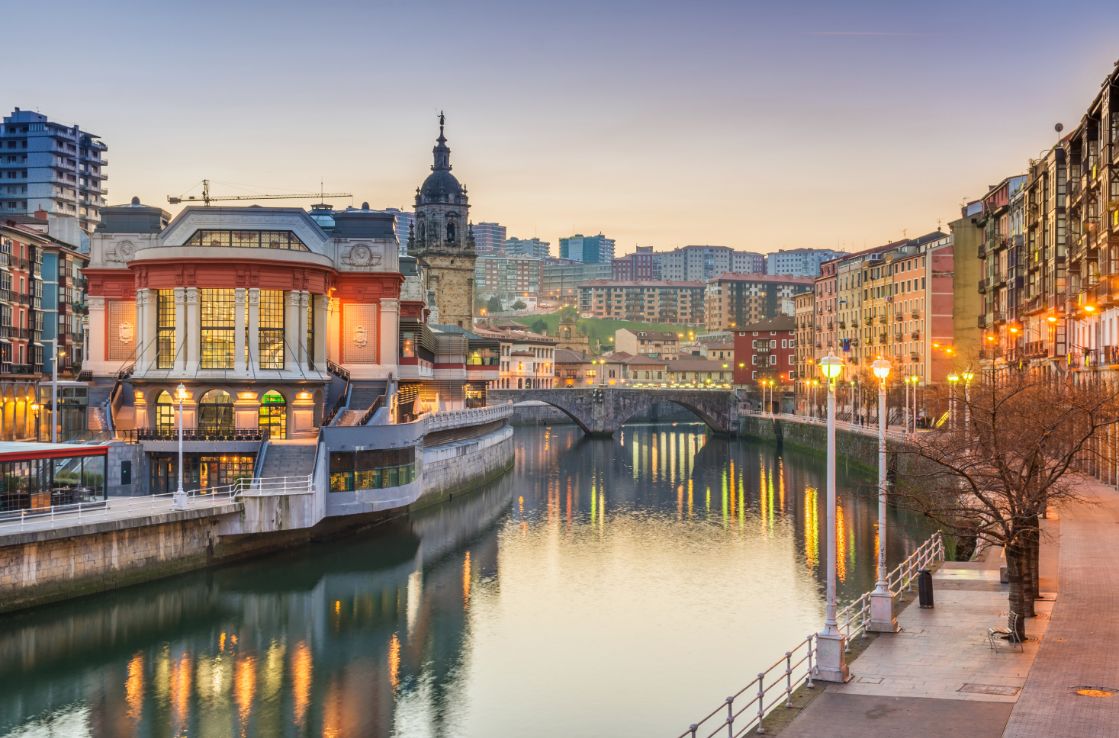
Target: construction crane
[207, 198]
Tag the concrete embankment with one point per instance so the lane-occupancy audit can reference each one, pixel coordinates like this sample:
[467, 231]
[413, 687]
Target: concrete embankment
[45, 564]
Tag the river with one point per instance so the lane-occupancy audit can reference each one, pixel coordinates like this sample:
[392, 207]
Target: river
[605, 587]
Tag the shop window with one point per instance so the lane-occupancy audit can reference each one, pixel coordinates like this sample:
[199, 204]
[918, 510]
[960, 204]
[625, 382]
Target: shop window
[274, 415]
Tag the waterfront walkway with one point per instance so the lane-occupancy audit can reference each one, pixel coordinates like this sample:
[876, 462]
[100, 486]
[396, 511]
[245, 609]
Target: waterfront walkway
[121, 510]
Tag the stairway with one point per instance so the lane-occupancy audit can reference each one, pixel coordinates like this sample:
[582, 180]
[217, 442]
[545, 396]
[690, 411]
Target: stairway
[362, 397]
[289, 459]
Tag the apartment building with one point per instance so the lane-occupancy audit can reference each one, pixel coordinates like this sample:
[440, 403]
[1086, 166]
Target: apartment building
[525, 247]
[527, 359]
[799, 262]
[507, 277]
[560, 278]
[638, 266]
[766, 350]
[733, 300]
[488, 237]
[655, 344]
[680, 303]
[705, 262]
[804, 314]
[587, 249]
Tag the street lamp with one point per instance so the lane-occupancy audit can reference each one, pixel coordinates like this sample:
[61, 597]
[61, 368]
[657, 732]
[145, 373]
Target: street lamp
[953, 378]
[180, 501]
[54, 391]
[831, 661]
[35, 408]
[967, 376]
[882, 618]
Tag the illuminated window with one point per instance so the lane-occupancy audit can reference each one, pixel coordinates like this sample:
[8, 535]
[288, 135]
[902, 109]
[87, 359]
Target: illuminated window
[164, 413]
[215, 412]
[165, 329]
[217, 333]
[270, 330]
[274, 415]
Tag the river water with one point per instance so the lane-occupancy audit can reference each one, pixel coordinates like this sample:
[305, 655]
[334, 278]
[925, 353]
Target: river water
[616, 587]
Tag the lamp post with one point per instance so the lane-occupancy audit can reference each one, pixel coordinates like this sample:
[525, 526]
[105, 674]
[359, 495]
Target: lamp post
[967, 376]
[35, 407]
[905, 414]
[180, 500]
[831, 661]
[54, 391]
[916, 381]
[953, 379]
[882, 618]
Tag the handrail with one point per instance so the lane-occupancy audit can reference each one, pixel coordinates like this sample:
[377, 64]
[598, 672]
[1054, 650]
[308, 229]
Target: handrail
[372, 409]
[788, 673]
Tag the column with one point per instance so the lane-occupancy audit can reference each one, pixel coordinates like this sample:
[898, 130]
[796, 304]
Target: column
[304, 305]
[320, 303]
[97, 318]
[239, 331]
[193, 330]
[291, 331]
[180, 330]
[390, 333]
[254, 330]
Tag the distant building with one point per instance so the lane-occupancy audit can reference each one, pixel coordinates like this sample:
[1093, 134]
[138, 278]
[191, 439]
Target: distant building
[804, 312]
[569, 336]
[679, 303]
[636, 266]
[799, 262]
[766, 350]
[697, 371]
[572, 368]
[527, 359]
[733, 300]
[507, 277]
[655, 344]
[561, 278]
[526, 247]
[587, 249]
[705, 262]
[402, 221]
[488, 237]
[52, 167]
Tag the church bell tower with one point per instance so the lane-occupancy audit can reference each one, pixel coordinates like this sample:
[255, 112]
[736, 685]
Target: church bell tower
[441, 238]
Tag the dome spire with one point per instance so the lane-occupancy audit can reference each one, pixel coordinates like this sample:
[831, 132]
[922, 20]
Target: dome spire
[441, 152]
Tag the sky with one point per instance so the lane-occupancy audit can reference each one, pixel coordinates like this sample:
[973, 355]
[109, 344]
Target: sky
[757, 125]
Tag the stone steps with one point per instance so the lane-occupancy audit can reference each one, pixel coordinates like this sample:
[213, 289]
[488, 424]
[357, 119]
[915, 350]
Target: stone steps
[289, 460]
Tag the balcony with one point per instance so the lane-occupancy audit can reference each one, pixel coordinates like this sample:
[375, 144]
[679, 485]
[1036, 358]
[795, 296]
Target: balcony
[914, 356]
[915, 335]
[882, 337]
[983, 286]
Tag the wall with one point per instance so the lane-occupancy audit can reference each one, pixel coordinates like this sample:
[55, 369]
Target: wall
[455, 467]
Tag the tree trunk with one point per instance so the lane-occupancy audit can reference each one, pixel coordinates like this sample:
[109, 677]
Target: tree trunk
[1015, 561]
[1035, 561]
[1028, 576]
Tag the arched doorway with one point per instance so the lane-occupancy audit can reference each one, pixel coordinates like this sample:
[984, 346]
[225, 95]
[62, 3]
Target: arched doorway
[165, 413]
[215, 413]
[274, 415]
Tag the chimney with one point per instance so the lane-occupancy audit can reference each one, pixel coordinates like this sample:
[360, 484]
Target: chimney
[40, 214]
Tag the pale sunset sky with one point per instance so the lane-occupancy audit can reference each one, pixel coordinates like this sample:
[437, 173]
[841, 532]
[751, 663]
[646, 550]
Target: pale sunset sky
[757, 125]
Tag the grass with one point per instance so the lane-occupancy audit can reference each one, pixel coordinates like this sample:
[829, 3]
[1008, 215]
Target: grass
[600, 331]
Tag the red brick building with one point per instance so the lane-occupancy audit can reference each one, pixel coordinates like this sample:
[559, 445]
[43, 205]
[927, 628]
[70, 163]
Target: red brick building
[766, 350]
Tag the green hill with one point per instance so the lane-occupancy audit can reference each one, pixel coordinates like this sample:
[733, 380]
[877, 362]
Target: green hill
[600, 331]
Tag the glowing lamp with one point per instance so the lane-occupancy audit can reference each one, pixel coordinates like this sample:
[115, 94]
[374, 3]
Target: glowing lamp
[831, 366]
[181, 392]
[967, 376]
[953, 378]
[881, 368]
[1052, 318]
[1089, 309]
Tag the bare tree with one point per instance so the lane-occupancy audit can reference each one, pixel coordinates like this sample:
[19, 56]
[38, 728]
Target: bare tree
[1002, 458]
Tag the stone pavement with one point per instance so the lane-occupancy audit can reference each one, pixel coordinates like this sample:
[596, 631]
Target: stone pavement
[118, 510]
[938, 676]
[1079, 650]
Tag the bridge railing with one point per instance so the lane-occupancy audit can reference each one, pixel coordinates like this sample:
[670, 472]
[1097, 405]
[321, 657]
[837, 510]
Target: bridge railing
[746, 709]
[472, 416]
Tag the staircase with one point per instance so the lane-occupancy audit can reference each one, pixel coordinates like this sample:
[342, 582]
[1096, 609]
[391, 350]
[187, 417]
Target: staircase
[362, 397]
[289, 459]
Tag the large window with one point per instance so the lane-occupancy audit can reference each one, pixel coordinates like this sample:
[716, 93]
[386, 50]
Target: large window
[271, 329]
[215, 413]
[274, 415]
[217, 328]
[164, 413]
[379, 469]
[248, 239]
[165, 329]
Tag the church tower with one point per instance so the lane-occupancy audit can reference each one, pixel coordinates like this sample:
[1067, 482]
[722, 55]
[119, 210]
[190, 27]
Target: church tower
[441, 238]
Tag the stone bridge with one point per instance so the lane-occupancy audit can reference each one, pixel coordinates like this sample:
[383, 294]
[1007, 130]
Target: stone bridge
[600, 411]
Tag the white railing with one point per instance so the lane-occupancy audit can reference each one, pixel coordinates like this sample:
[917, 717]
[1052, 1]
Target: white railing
[746, 709]
[472, 416]
[121, 508]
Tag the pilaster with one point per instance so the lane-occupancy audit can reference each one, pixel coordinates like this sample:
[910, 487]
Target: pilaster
[390, 333]
[321, 303]
[97, 328]
[193, 329]
[254, 329]
[180, 329]
[291, 331]
[239, 331]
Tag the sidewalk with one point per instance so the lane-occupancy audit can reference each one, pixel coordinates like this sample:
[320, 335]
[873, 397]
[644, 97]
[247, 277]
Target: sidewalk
[938, 676]
[1080, 650]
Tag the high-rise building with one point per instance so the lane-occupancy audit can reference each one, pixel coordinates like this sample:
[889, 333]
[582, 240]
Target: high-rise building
[488, 237]
[706, 262]
[733, 300]
[587, 249]
[507, 277]
[402, 224]
[525, 247]
[48, 166]
[680, 303]
[441, 239]
[561, 278]
[636, 266]
[799, 262]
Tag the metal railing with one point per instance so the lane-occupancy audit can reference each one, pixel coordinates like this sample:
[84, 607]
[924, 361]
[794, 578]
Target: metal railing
[473, 416]
[275, 486]
[746, 709]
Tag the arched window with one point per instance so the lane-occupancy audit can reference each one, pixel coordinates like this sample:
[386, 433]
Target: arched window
[215, 412]
[164, 413]
[274, 414]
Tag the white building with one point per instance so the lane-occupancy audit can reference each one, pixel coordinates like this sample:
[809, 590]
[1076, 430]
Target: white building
[799, 262]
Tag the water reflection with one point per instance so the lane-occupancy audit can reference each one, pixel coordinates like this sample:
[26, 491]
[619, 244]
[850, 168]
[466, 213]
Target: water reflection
[605, 587]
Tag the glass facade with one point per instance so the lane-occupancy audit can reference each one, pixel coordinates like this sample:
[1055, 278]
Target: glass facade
[34, 484]
[217, 331]
[270, 329]
[165, 329]
[248, 240]
[200, 471]
[215, 413]
[379, 469]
